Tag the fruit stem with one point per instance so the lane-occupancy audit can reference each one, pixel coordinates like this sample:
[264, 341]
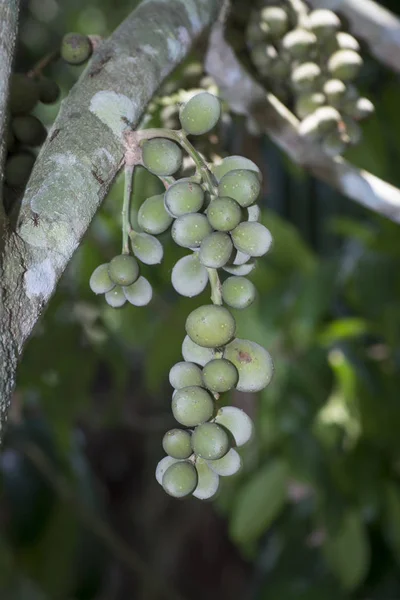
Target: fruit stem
[167, 180]
[37, 69]
[215, 284]
[200, 163]
[126, 206]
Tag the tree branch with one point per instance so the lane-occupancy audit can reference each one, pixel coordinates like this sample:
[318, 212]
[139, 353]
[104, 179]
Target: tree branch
[246, 97]
[371, 22]
[8, 32]
[80, 159]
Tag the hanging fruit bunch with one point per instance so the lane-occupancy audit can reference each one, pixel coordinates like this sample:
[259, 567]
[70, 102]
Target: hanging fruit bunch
[214, 215]
[308, 62]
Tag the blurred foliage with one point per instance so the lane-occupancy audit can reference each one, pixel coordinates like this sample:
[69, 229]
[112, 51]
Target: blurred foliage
[315, 513]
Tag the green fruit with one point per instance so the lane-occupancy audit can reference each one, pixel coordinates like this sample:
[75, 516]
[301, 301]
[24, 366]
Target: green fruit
[228, 465]
[324, 23]
[240, 270]
[232, 163]
[253, 363]
[252, 238]
[152, 216]
[139, 293]
[28, 130]
[265, 58]
[307, 103]
[305, 77]
[210, 441]
[299, 43]
[200, 114]
[76, 48]
[309, 127]
[183, 197]
[116, 297]
[335, 91]
[18, 169]
[23, 95]
[194, 353]
[345, 41]
[100, 281]
[345, 64]
[185, 374]
[180, 479]
[216, 250]
[190, 230]
[224, 214]
[255, 33]
[333, 144]
[189, 277]
[253, 213]
[123, 269]
[147, 248]
[177, 443]
[328, 119]
[220, 375]
[240, 258]
[359, 109]
[49, 90]
[238, 292]
[210, 326]
[161, 157]
[276, 19]
[242, 185]
[192, 406]
[237, 422]
[208, 482]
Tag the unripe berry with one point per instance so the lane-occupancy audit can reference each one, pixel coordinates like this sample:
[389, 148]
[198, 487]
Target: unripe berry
[211, 326]
[185, 374]
[192, 406]
[190, 230]
[116, 297]
[210, 441]
[242, 185]
[224, 214]
[220, 375]
[76, 48]
[276, 19]
[324, 23]
[216, 250]
[328, 119]
[194, 353]
[345, 41]
[231, 163]
[139, 293]
[183, 197]
[23, 95]
[28, 130]
[152, 216]
[189, 277]
[309, 127]
[123, 269]
[180, 479]
[161, 157]
[306, 76]
[359, 109]
[345, 64]
[238, 292]
[237, 422]
[252, 238]
[49, 91]
[176, 443]
[335, 91]
[100, 281]
[200, 114]
[253, 363]
[307, 103]
[18, 169]
[147, 248]
[299, 43]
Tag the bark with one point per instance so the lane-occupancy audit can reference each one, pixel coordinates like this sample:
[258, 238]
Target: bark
[80, 159]
[247, 97]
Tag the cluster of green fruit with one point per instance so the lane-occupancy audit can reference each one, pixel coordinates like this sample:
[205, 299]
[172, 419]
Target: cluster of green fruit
[310, 63]
[214, 214]
[25, 131]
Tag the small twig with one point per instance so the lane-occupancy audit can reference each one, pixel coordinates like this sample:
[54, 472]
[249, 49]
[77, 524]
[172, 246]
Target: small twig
[100, 528]
[126, 207]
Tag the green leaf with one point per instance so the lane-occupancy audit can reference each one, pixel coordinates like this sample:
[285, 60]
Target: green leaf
[259, 502]
[343, 329]
[347, 551]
